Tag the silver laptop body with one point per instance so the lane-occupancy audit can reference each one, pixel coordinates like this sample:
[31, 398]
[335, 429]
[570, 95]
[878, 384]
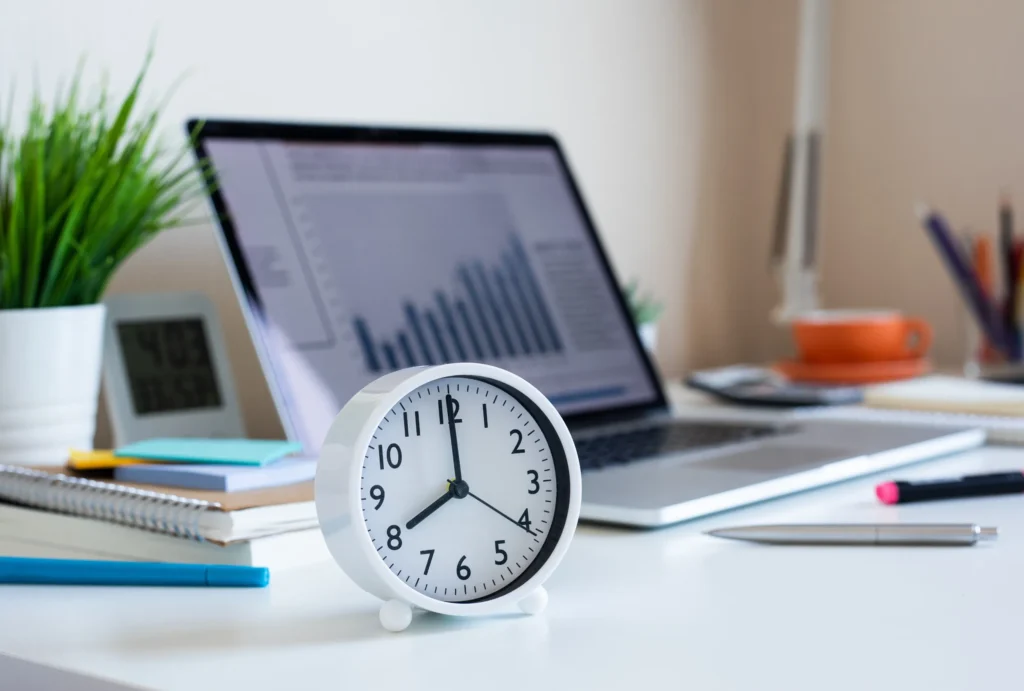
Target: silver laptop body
[667, 488]
[294, 199]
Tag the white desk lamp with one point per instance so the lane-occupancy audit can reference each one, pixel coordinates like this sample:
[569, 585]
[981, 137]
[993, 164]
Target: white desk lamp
[795, 246]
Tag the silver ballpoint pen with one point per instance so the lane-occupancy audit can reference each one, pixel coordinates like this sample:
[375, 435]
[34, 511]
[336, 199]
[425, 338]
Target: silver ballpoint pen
[861, 534]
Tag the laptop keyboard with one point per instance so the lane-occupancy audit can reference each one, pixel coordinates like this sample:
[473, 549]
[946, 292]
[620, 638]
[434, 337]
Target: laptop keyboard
[635, 444]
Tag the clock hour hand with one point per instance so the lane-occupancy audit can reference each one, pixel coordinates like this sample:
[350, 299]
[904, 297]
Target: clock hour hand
[437, 504]
[500, 513]
[451, 432]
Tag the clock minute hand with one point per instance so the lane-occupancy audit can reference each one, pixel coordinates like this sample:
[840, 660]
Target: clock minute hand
[502, 514]
[455, 440]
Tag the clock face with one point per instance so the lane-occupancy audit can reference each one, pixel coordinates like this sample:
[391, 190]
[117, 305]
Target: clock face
[464, 489]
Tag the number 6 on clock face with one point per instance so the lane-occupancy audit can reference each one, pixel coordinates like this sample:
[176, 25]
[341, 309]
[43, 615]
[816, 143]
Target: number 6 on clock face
[458, 493]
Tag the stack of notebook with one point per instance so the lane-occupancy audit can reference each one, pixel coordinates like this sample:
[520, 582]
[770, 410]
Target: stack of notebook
[213, 512]
[943, 400]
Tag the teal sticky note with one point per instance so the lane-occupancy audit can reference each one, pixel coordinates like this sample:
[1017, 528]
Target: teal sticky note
[230, 451]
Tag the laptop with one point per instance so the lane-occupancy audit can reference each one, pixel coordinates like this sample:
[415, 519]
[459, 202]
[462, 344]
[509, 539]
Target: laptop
[358, 250]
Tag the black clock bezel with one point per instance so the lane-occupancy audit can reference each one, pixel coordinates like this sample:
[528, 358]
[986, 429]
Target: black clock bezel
[563, 491]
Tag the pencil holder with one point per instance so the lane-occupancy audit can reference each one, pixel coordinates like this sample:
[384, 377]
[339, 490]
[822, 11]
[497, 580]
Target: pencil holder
[986, 362]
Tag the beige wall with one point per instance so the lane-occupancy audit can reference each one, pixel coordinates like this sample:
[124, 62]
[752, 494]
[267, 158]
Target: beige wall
[926, 104]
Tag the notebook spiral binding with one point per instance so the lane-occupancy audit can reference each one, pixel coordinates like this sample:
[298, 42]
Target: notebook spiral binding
[145, 509]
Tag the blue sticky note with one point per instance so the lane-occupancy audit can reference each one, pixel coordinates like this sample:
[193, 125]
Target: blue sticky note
[220, 477]
[232, 451]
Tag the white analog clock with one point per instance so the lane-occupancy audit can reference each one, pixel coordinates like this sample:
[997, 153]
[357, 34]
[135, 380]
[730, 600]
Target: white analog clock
[454, 489]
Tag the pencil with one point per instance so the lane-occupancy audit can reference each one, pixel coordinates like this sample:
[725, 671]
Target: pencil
[1018, 259]
[982, 256]
[983, 269]
[985, 313]
[1006, 242]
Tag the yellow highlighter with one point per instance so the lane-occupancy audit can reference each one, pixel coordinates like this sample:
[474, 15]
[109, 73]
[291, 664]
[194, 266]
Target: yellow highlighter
[99, 459]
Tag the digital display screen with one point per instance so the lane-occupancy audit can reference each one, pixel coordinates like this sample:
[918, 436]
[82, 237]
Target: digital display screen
[169, 366]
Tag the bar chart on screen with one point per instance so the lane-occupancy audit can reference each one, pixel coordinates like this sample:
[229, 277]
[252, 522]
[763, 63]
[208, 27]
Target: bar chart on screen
[488, 311]
[366, 259]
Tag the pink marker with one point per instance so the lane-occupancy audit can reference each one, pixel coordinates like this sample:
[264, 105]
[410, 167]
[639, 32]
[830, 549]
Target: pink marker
[888, 493]
[902, 492]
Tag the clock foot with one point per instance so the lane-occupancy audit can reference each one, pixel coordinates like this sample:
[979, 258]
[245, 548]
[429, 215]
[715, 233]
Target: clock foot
[535, 602]
[395, 615]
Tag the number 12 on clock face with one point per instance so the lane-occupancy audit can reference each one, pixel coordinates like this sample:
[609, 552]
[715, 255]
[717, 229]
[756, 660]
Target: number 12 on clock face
[460, 489]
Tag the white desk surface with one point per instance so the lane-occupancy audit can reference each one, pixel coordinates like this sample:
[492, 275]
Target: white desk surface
[668, 608]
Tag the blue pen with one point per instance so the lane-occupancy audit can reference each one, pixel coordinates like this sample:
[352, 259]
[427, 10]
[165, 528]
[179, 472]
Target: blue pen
[988, 317]
[87, 572]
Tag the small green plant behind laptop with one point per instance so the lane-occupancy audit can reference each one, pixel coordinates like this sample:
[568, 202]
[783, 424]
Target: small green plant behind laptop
[645, 309]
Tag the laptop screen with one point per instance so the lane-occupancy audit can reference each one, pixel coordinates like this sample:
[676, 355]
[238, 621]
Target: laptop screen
[360, 258]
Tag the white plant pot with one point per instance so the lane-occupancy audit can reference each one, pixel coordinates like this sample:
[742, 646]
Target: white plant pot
[649, 335]
[50, 362]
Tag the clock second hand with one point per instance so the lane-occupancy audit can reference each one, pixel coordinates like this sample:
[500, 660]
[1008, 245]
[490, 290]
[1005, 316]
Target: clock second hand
[502, 514]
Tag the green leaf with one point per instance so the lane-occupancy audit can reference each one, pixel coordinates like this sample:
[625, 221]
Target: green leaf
[82, 187]
[643, 308]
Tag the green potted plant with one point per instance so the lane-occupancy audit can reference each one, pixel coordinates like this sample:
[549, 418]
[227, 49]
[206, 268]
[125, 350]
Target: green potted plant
[83, 184]
[645, 311]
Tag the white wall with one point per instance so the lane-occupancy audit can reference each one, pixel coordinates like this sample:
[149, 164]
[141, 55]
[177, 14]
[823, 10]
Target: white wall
[624, 83]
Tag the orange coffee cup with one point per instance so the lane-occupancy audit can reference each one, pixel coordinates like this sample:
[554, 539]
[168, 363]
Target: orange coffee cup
[833, 336]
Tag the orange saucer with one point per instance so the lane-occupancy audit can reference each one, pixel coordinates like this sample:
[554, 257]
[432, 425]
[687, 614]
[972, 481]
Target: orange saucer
[852, 372]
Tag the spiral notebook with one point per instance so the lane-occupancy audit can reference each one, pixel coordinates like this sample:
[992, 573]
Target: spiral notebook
[219, 517]
[26, 532]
